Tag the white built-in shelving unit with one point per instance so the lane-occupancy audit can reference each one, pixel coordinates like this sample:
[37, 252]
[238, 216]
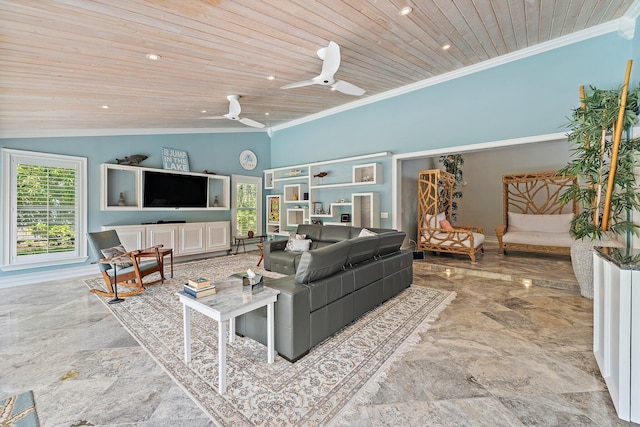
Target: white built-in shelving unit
[328, 191]
[129, 181]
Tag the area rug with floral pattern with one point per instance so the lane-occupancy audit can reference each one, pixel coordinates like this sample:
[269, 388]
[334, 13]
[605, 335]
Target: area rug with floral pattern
[315, 390]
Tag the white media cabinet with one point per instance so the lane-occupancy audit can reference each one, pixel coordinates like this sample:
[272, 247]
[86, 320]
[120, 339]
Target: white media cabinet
[190, 238]
[616, 326]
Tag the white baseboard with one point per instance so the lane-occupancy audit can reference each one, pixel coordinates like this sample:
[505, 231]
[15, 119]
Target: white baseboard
[47, 276]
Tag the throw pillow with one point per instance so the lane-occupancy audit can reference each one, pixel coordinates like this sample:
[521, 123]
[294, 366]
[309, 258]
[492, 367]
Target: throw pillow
[365, 232]
[300, 245]
[116, 251]
[446, 225]
[292, 238]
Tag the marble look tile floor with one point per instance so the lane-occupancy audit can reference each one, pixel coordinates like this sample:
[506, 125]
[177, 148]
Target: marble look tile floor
[501, 354]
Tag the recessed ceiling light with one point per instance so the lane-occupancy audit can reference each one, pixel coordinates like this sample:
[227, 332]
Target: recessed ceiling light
[153, 57]
[446, 46]
[105, 107]
[266, 114]
[406, 10]
[203, 111]
[271, 78]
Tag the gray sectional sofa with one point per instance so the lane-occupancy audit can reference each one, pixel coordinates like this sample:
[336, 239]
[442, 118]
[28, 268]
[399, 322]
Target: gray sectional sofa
[327, 287]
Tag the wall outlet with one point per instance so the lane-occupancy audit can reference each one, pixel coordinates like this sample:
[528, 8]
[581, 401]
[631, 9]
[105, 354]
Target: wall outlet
[384, 214]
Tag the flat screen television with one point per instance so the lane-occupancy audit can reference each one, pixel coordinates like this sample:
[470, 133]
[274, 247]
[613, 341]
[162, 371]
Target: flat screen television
[168, 190]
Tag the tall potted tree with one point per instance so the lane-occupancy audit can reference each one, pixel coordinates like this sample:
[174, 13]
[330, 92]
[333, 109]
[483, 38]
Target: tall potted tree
[453, 164]
[603, 157]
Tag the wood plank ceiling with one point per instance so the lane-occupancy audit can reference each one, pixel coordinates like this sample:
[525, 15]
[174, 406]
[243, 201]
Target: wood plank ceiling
[62, 60]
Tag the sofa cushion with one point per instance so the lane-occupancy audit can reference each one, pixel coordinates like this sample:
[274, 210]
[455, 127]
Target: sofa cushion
[322, 262]
[292, 238]
[334, 233]
[366, 232]
[557, 223]
[362, 249]
[390, 242]
[300, 245]
[312, 231]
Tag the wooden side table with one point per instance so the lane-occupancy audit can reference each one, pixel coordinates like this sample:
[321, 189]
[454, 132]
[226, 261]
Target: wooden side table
[163, 253]
[260, 246]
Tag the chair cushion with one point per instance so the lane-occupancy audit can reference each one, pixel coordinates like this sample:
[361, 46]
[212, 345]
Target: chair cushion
[440, 239]
[117, 251]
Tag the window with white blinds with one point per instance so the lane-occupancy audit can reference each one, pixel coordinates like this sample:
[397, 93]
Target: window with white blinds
[45, 217]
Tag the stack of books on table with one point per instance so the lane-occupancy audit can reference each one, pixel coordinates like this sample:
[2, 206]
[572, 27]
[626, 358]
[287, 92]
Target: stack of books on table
[199, 288]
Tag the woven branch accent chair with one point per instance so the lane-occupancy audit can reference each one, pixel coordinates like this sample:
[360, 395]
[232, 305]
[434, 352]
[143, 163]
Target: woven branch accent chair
[534, 219]
[131, 268]
[435, 232]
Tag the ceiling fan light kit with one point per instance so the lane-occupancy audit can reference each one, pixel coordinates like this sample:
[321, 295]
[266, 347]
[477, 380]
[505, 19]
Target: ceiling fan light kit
[234, 113]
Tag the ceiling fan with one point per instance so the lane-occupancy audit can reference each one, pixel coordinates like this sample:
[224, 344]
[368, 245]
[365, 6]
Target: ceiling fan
[234, 113]
[330, 56]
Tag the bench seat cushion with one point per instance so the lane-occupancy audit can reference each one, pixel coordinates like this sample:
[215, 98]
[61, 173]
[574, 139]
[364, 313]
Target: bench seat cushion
[538, 238]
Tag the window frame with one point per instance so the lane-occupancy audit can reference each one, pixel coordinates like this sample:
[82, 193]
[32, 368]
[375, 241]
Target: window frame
[252, 180]
[10, 160]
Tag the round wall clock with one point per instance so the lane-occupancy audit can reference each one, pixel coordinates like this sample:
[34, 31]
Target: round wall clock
[248, 160]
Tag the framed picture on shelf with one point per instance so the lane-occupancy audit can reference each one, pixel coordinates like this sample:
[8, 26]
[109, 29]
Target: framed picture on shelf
[317, 208]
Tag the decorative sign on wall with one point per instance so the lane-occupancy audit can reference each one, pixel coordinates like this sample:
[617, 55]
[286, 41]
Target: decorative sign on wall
[175, 160]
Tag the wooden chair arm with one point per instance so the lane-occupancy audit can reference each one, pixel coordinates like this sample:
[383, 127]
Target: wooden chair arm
[128, 255]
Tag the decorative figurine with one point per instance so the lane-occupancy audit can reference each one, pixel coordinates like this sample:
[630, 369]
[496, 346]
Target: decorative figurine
[216, 203]
[131, 160]
[121, 201]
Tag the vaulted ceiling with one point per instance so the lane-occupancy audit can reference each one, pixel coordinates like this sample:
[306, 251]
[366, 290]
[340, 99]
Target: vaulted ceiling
[63, 62]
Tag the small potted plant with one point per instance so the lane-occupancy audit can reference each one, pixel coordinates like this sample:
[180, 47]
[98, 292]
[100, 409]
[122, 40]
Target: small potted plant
[606, 189]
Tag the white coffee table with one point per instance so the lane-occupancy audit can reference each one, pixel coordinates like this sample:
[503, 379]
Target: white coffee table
[226, 304]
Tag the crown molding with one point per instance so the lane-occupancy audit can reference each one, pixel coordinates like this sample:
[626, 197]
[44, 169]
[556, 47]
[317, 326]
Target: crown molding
[634, 10]
[57, 133]
[599, 30]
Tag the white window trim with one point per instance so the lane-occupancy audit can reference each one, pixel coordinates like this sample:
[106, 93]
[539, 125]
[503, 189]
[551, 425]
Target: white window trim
[9, 158]
[246, 179]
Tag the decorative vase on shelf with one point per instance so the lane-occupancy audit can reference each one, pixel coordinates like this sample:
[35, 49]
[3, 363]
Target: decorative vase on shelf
[121, 201]
[216, 203]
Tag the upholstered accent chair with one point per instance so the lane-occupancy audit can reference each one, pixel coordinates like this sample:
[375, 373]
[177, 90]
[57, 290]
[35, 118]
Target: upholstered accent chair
[128, 268]
[435, 230]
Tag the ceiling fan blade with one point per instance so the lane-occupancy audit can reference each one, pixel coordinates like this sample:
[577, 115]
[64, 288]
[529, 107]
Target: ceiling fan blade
[213, 117]
[298, 84]
[348, 88]
[331, 60]
[252, 123]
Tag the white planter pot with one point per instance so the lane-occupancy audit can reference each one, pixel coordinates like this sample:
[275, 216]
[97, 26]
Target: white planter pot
[582, 260]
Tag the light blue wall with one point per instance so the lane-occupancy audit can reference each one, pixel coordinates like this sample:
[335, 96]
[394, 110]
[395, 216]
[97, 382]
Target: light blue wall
[214, 152]
[531, 96]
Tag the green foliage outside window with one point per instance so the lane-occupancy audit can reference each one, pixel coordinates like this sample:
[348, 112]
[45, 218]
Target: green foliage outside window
[246, 209]
[46, 204]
